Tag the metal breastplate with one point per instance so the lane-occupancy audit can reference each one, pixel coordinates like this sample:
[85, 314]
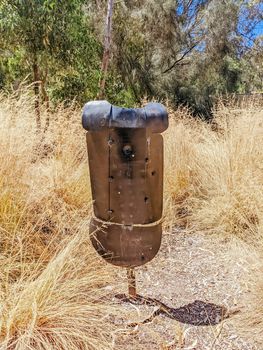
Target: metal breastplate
[125, 151]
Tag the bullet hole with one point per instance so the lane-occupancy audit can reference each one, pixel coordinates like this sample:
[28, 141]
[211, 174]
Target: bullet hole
[153, 172]
[146, 160]
[128, 152]
[110, 142]
[110, 211]
[146, 199]
[142, 257]
[111, 178]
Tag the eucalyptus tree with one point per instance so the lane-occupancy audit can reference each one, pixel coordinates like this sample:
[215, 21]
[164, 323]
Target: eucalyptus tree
[184, 50]
[106, 52]
[50, 33]
[153, 38]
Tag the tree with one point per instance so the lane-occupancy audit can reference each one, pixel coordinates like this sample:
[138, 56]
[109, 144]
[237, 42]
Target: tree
[153, 38]
[106, 53]
[184, 50]
[50, 33]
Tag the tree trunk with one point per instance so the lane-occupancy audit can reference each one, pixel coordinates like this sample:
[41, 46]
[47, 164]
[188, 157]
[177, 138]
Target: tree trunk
[45, 99]
[106, 53]
[37, 93]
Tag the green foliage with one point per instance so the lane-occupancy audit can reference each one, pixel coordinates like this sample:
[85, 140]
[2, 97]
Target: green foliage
[186, 51]
[12, 68]
[56, 36]
[118, 93]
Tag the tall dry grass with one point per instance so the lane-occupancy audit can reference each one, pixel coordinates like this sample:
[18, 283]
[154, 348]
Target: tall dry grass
[214, 172]
[214, 184]
[52, 286]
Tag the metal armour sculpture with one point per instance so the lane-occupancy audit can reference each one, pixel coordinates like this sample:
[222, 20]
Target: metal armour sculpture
[125, 151]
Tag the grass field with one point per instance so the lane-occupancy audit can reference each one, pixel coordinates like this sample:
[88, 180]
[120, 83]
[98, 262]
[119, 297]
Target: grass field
[53, 287]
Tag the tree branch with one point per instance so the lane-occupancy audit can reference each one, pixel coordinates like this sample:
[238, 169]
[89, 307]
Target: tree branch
[180, 59]
[106, 53]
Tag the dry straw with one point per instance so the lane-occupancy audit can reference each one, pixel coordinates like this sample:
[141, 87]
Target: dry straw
[52, 289]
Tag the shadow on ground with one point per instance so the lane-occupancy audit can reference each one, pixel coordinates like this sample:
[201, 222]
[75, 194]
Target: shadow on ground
[198, 313]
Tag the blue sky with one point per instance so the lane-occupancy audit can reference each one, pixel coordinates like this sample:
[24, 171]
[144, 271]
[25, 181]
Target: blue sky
[259, 29]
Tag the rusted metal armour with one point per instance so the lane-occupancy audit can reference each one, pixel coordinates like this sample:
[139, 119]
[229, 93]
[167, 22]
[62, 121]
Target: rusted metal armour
[125, 151]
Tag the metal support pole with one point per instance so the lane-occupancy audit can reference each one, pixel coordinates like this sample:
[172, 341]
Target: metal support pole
[131, 283]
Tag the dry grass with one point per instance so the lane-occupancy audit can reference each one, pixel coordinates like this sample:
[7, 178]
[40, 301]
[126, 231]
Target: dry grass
[214, 184]
[215, 178]
[52, 286]
[52, 293]
[60, 305]
[249, 322]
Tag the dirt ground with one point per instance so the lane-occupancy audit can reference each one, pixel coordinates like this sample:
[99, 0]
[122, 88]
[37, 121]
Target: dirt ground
[190, 267]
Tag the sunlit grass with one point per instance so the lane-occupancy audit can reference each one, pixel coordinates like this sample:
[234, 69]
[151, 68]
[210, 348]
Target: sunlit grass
[52, 293]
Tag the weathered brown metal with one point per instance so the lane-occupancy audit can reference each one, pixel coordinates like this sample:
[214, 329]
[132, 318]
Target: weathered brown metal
[125, 153]
[131, 282]
[126, 245]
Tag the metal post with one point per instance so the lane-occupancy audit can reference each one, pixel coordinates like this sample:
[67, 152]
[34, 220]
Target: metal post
[131, 282]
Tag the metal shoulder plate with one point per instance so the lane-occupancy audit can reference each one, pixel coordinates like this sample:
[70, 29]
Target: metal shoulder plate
[101, 115]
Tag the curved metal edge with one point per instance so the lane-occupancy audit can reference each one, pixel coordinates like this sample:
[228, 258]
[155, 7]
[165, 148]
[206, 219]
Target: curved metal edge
[156, 116]
[96, 115]
[127, 245]
[100, 115]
